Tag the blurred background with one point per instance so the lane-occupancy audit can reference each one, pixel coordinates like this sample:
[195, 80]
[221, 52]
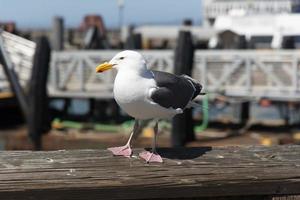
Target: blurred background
[245, 53]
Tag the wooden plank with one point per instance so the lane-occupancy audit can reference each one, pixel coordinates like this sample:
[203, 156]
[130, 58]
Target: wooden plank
[217, 172]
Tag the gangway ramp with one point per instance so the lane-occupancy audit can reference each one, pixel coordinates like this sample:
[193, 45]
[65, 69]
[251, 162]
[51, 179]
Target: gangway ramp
[21, 52]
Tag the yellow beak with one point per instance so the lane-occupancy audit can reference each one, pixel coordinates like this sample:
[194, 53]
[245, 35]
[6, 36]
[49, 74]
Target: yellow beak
[103, 67]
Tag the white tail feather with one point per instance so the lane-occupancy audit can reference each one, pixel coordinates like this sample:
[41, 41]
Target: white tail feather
[193, 104]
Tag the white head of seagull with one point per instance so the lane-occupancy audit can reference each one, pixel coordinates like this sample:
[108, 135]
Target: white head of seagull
[125, 60]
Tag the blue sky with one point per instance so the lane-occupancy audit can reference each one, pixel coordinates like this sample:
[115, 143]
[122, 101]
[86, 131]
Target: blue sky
[39, 13]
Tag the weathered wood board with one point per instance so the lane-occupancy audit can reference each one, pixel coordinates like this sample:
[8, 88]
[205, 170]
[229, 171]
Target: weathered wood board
[205, 172]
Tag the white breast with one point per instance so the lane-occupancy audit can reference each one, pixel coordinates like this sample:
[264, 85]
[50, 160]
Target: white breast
[129, 88]
[131, 92]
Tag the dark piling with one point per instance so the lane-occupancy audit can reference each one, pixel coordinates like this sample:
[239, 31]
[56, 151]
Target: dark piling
[39, 119]
[183, 125]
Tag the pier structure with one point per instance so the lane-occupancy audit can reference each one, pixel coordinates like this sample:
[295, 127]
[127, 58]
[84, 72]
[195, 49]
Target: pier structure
[236, 75]
[250, 74]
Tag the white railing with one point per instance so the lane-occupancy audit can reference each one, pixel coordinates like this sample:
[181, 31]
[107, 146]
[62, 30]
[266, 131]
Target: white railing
[272, 74]
[21, 52]
[252, 74]
[235, 73]
[73, 73]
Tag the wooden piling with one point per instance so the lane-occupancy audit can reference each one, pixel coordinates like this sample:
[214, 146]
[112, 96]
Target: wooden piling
[91, 39]
[39, 119]
[245, 112]
[58, 34]
[134, 40]
[183, 125]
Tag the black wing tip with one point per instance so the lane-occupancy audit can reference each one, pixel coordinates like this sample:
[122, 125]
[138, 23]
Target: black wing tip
[198, 87]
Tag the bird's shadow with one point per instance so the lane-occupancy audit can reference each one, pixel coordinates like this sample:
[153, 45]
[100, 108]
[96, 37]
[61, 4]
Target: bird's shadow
[182, 153]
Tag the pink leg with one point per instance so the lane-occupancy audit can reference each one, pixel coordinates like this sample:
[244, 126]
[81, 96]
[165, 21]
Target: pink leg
[121, 151]
[126, 149]
[152, 156]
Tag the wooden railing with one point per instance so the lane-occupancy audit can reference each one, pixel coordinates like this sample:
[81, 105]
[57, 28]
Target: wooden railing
[252, 172]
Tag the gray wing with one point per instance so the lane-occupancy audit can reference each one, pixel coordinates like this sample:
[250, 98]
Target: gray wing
[174, 91]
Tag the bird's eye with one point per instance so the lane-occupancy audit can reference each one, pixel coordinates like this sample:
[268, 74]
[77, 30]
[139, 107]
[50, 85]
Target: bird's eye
[121, 58]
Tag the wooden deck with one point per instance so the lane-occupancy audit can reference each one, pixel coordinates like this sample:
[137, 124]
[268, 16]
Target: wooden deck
[252, 172]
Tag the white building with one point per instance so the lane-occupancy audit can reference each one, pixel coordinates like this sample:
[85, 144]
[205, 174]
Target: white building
[276, 27]
[214, 8]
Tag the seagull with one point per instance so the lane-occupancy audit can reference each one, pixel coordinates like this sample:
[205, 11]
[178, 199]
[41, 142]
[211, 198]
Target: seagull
[148, 94]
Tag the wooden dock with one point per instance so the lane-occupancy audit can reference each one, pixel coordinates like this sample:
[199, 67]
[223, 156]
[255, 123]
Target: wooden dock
[252, 172]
